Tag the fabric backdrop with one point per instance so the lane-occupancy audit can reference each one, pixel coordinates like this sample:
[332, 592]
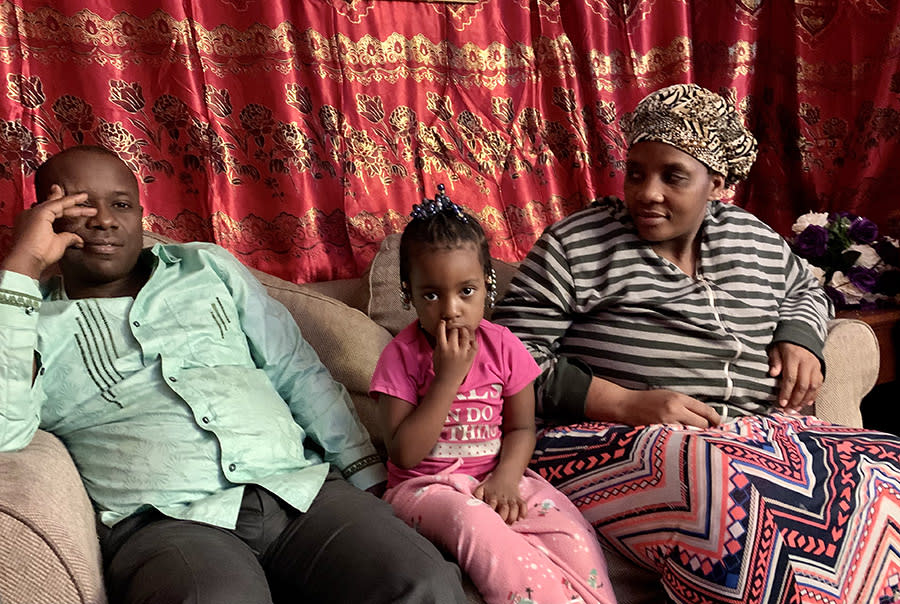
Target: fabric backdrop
[298, 134]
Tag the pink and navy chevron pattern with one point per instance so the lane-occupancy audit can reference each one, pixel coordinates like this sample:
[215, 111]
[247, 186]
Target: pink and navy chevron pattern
[767, 509]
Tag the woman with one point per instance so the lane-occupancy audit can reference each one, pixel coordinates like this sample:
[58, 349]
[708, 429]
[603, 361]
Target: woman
[693, 321]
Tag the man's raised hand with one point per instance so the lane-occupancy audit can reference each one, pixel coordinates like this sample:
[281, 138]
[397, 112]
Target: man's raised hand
[36, 245]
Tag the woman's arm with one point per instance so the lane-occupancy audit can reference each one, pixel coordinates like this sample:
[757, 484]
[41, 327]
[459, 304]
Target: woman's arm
[609, 402]
[500, 489]
[796, 353]
[537, 308]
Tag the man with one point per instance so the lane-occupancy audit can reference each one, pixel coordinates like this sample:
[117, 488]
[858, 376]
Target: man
[202, 424]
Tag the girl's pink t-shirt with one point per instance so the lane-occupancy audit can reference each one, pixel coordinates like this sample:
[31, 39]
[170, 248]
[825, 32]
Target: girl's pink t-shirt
[471, 432]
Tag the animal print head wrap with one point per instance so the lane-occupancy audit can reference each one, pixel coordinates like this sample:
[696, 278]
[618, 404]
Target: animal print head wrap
[698, 122]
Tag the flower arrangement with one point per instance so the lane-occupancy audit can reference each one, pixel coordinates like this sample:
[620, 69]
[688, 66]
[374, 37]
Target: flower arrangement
[857, 268]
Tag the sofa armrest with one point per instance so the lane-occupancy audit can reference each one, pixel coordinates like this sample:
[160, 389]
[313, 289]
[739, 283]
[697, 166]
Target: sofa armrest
[851, 362]
[49, 551]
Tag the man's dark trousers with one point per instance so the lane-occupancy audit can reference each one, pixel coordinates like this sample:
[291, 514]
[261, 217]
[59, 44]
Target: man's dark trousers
[347, 548]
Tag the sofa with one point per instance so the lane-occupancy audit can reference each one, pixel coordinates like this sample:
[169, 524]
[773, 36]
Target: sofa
[49, 552]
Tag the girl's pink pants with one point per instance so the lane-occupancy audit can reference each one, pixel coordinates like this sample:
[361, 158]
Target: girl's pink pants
[549, 557]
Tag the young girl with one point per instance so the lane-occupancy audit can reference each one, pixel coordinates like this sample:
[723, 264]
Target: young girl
[457, 409]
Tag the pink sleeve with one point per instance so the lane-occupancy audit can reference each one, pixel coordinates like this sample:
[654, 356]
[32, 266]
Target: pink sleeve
[392, 374]
[522, 367]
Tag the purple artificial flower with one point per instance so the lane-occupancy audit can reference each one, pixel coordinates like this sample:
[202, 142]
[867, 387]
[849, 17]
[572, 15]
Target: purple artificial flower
[863, 278]
[812, 242]
[863, 230]
[837, 298]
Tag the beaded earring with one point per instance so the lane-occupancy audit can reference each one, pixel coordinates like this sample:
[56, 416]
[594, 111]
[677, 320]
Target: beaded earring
[492, 288]
[404, 295]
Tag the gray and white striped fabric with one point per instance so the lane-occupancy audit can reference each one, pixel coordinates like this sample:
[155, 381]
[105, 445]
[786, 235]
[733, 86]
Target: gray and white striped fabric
[593, 290]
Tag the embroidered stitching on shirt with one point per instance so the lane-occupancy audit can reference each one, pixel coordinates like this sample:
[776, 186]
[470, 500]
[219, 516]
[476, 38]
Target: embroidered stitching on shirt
[220, 317]
[360, 464]
[218, 322]
[25, 301]
[108, 332]
[222, 308]
[96, 355]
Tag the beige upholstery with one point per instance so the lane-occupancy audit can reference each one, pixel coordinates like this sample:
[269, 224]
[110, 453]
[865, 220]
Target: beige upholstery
[48, 542]
[48, 548]
[849, 350]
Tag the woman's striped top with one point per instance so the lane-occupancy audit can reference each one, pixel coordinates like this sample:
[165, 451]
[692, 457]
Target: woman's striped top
[592, 297]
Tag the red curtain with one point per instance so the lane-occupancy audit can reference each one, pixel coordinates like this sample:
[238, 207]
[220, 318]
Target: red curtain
[298, 134]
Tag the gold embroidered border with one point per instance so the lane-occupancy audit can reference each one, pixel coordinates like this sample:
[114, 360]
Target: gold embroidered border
[85, 38]
[48, 36]
[655, 68]
[25, 301]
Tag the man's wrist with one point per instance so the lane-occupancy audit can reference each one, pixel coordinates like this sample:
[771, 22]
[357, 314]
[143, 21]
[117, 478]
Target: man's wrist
[18, 290]
[22, 264]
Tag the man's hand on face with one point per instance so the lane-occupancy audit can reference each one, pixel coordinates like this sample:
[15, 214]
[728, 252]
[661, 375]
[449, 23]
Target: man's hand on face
[36, 246]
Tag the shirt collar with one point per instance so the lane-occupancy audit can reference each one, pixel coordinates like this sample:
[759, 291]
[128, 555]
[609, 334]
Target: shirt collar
[55, 289]
[162, 251]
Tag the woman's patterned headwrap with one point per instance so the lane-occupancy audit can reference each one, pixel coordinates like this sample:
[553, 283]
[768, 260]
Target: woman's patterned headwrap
[698, 122]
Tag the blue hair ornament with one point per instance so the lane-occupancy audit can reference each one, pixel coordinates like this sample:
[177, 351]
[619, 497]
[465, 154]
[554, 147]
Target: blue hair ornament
[440, 204]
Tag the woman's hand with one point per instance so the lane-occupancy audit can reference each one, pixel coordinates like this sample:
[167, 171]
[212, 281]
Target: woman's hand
[454, 352]
[612, 403]
[801, 375]
[36, 246]
[501, 492]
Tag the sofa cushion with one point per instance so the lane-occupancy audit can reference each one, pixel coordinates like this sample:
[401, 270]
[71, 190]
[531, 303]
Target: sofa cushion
[49, 551]
[849, 342]
[385, 306]
[151, 238]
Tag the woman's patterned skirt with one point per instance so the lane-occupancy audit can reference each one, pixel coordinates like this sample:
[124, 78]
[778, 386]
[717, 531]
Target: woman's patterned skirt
[766, 509]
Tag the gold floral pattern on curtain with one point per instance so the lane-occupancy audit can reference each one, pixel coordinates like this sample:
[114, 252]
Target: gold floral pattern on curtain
[298, 135]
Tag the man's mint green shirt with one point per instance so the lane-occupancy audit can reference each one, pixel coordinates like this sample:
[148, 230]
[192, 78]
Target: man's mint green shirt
[177, 397]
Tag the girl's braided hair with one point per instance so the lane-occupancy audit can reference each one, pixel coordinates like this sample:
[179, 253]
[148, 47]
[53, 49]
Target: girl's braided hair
[441, 222]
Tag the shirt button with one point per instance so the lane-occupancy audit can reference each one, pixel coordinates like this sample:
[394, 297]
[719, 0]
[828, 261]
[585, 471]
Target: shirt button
[136, 323]
[205, 420]
[232, 467]
[173, 379]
